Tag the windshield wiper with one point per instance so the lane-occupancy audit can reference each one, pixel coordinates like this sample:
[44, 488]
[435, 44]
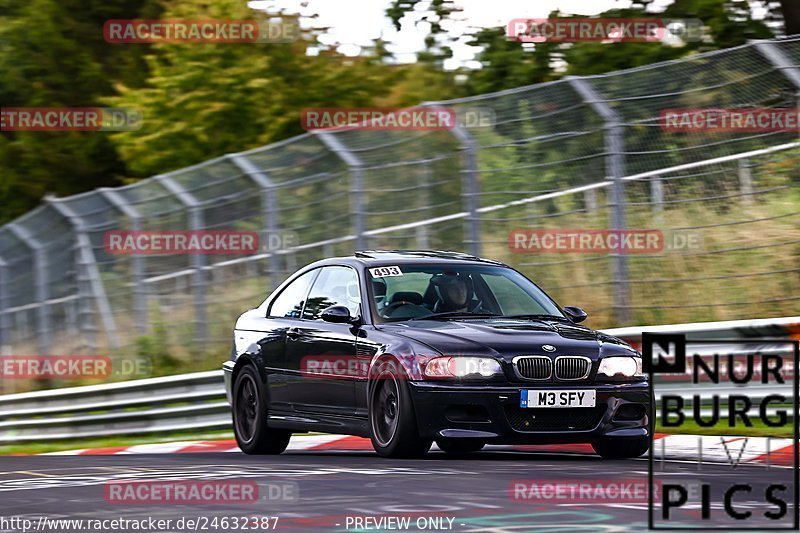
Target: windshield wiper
[455, 314]
[540, 317]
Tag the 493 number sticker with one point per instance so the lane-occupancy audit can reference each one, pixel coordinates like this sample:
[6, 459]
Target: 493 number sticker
[385, 272]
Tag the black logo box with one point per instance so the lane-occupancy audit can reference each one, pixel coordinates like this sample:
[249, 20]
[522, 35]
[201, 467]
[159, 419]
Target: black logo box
[679, 366]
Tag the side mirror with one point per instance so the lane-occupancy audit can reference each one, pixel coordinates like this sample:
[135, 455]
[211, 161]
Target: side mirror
[576, 314]
[338, 314]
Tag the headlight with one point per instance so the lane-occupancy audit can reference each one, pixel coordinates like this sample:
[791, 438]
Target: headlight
[628, 367]
[461, 367]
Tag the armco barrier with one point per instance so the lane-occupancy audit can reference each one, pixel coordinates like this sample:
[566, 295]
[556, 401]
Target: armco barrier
[196, 402]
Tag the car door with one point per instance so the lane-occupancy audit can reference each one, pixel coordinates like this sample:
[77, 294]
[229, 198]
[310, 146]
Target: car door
[326, 352]
[270, 333]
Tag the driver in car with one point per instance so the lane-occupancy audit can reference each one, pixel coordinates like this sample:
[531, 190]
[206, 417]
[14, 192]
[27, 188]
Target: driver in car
[454, 291]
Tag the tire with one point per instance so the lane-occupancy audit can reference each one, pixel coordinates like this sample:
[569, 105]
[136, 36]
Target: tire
[460, 446]
[392, 422]
[621, 448]
[250, 417]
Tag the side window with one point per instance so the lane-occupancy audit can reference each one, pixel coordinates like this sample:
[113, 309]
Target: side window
[289, 302]
[335, 285]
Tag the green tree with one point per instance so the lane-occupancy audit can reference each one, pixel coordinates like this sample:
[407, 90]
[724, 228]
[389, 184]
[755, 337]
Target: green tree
[52, 54]
[205, 100]
[507, 64]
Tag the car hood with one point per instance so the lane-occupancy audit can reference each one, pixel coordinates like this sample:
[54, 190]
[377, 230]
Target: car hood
[508, 338]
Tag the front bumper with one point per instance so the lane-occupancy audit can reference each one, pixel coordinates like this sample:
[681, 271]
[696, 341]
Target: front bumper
[492, 413]
[227, 374]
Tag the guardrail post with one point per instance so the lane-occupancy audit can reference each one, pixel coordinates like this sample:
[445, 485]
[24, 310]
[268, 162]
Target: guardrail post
[137, 260]
[356, 182]
[615, 171]
[196, 223]
[87, 271]
[40, 280]
[269, 207]
[5, 331]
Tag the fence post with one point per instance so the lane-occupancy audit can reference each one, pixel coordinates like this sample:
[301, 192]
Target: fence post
[657, 194]
[5, 331]
[137, 260]
[40, 280]
[86, 268]
[356, 182]
[590, 200]
[745, 181]
[787, 67]
[269, 207]
[423, 232]
[196, 223]
[615, 171]
[469, 187]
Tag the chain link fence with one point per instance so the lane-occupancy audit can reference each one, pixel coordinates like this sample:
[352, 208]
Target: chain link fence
[581, 152]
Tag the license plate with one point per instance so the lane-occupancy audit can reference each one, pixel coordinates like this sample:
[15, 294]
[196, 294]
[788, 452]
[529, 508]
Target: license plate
[557, 398]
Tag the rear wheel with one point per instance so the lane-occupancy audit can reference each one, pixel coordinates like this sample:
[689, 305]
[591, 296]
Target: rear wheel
[460, 446]
[250, 417]
[621, 448]
[393, 425]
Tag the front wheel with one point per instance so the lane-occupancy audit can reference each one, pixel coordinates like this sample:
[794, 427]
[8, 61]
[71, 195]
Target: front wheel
[621, 448]
[250, 417]
[393, 425]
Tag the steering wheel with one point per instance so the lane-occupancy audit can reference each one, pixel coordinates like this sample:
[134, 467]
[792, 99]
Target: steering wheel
[472, 309]
[387, 311]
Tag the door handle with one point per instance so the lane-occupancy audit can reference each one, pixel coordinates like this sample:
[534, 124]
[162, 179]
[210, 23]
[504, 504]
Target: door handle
[292, 333]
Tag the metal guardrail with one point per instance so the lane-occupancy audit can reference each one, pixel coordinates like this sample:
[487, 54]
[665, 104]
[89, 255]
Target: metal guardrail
[196, 401]
[165, 404]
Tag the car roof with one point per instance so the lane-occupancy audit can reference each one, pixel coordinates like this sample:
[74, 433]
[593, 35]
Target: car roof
[384, 257]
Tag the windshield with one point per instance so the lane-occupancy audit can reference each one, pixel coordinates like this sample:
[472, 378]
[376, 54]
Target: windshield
[420, 291]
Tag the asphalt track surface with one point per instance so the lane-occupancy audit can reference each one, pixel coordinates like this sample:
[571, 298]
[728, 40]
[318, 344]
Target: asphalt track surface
[332, 489]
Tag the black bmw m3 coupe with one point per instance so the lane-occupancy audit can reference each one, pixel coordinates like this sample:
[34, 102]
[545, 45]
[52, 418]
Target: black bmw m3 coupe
[411, 347]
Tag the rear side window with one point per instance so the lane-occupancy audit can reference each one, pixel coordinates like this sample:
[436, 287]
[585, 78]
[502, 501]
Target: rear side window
[289, 302]
[335, 285]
